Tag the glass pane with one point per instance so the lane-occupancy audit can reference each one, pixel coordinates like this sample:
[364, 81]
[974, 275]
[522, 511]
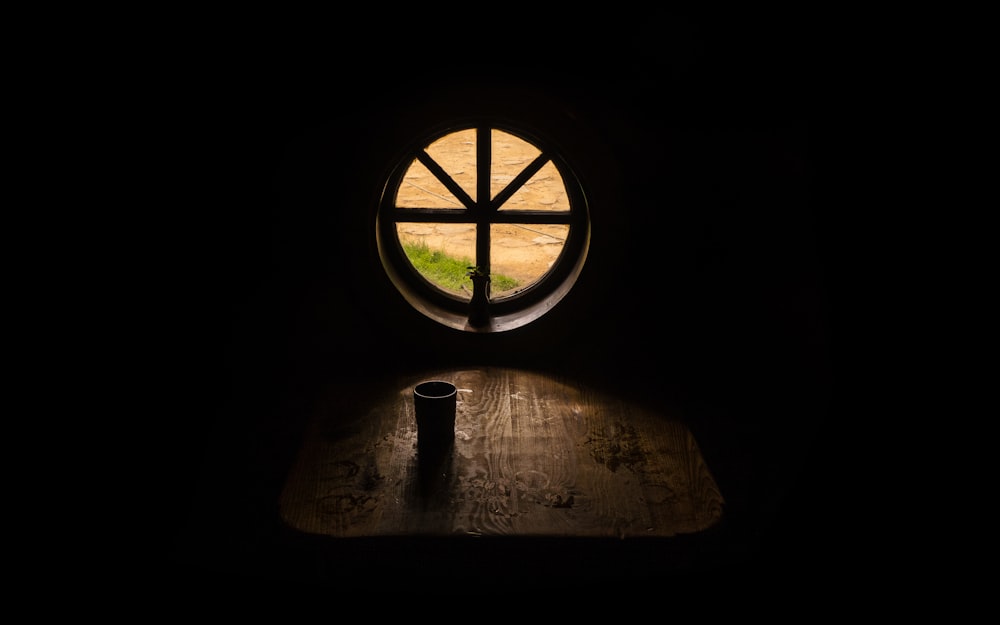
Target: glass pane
[421, 189]
[544, 191]
[520, 254]
[441, 253]
[456, 154]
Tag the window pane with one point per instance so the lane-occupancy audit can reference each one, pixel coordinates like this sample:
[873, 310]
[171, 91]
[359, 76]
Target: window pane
[544, 191]
[441, 253]
[456, 154]
[523, 253]
[421, 189]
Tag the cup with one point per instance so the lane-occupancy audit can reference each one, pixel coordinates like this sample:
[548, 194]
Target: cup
[434, 403]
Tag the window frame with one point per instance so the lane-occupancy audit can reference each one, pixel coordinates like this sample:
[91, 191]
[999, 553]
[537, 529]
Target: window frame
[506, 311]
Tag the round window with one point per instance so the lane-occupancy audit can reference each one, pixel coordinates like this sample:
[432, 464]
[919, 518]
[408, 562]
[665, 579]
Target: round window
[483, 226]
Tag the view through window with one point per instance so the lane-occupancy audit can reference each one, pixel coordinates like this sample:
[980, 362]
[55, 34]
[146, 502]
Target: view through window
[517, 234]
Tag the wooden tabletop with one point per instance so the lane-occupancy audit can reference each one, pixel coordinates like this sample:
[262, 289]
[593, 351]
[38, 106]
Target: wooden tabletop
[534, 455]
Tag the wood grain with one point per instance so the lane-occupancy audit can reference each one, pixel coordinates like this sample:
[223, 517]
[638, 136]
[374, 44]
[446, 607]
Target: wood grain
[534, 455]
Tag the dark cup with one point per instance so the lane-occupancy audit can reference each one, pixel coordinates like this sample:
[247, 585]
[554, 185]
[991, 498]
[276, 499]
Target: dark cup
[434, 405]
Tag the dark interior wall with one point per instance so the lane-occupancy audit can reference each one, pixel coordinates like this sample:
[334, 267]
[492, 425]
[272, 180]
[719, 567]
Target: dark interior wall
[709, 260]
[703, 224]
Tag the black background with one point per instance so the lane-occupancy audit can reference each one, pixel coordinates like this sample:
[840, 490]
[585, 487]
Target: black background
[719, 263]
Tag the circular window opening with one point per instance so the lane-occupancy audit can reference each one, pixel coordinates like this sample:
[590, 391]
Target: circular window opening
[483, 227]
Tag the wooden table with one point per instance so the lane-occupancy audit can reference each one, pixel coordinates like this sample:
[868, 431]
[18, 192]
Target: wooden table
[534, 455]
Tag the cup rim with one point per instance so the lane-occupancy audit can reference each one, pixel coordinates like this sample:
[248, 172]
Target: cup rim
[435, 389]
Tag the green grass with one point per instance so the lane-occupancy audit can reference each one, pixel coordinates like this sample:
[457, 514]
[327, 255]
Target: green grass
[449, 272]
